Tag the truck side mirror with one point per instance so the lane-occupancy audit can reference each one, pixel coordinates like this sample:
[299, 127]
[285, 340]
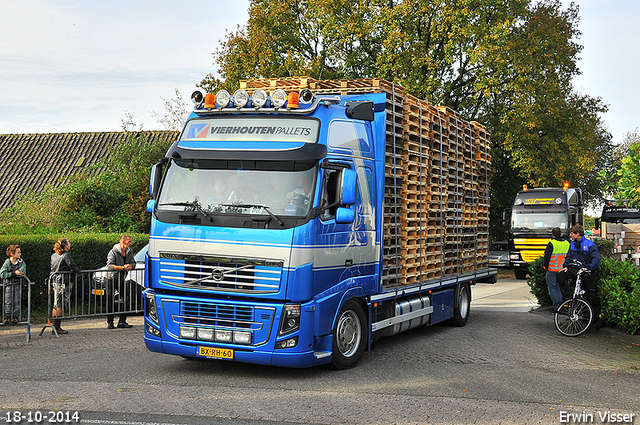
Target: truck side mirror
[151, 203]
[348, 187]
[155, 180]
[505, 218]
[597, 223]
[345, 215]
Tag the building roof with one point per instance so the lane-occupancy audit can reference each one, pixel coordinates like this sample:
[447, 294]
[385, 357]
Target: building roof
[33, 161]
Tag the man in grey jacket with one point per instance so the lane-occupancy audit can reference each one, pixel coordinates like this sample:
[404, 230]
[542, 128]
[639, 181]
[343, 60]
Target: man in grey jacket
[120, 260]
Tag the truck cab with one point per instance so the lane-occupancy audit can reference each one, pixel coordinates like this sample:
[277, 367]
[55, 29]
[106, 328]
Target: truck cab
[534, 214]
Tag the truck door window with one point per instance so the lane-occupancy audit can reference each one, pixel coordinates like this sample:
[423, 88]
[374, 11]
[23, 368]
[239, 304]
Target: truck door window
[330, 187]
[350, 137]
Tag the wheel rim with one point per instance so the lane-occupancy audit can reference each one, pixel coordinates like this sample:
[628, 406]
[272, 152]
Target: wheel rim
[464, 302]
[573, 318]
[349, 333]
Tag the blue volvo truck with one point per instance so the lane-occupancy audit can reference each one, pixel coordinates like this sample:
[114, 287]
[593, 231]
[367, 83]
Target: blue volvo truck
[297, 220]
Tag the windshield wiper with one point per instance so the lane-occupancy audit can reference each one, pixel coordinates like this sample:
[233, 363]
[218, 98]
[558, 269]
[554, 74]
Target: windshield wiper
[194, 204]
[265, 207]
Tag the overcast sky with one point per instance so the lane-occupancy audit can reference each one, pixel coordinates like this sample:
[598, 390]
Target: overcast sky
[75, 66]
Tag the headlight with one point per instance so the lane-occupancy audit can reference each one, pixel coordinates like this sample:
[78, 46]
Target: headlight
[240, 98]
[290, 319]
[515, 256]
[259, 98]
[278, 98]
[223, 98]
[207, 334]
[187, 332]
[224, 336]
[152, 309]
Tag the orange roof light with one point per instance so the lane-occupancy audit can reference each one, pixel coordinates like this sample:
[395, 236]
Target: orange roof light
[524, 187]
[210, 101]
[293, 100]
[565, 186]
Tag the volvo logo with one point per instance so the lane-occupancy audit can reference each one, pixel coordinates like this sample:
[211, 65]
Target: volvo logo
[217, 274]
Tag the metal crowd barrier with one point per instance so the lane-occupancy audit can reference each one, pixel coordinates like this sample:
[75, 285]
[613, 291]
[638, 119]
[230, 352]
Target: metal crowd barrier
[8, 290]
[97, 293]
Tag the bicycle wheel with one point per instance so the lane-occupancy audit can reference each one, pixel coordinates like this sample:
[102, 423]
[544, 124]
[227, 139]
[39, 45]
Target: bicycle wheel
[573, 317]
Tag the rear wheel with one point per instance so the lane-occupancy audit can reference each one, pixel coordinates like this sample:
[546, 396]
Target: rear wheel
[573, 317]
[349, 335]
[462, 305]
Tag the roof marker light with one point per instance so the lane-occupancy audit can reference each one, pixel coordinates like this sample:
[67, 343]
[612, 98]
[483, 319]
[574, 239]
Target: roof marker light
[524, 187]
[293, 100]
[223, 98]
[240, 98]
[259, 98]
[209, 101]
[278, 98]
[565, 186]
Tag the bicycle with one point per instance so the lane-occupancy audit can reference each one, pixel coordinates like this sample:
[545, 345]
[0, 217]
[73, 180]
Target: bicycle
[575, 314]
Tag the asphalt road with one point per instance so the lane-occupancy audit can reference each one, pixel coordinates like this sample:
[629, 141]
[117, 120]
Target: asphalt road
[507, 366]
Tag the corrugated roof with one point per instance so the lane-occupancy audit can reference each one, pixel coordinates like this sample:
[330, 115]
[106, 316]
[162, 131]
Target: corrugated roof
[32, 161]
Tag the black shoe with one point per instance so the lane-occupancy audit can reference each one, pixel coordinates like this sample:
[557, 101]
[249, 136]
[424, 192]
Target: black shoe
[7, 321]
[598, 324]
[110, 325]
[124, 325]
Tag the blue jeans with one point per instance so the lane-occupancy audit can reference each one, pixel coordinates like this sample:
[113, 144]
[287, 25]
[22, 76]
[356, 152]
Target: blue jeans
[554, 289]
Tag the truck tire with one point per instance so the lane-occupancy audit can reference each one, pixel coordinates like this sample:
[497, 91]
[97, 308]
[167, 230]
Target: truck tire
[461, 305]
[349, 335]
[520, 274]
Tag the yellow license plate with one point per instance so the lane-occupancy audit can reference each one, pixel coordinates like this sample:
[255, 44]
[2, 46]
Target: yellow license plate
[97, 291]
[216, 353]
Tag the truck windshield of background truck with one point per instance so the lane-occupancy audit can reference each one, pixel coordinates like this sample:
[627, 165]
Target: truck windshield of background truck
[231, 187]
[538, 221]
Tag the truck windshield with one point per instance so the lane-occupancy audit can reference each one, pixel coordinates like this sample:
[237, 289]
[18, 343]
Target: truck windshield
[239, 187]
[537, 221]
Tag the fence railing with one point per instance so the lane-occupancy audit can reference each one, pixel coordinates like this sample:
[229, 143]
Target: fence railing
[93, 293]
[16, 302]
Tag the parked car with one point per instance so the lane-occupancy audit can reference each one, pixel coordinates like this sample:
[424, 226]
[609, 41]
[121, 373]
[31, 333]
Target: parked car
[499, 254]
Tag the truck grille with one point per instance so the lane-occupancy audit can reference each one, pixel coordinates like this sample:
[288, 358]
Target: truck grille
[220, 274]
[222, 314]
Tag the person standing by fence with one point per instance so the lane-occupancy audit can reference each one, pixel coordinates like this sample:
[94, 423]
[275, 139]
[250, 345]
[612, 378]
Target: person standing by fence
[63, 271]
[120, 260]
[12, 269]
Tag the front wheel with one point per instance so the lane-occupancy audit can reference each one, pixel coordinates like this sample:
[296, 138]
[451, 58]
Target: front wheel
[573, 317]
[349, 336]
[520, 274]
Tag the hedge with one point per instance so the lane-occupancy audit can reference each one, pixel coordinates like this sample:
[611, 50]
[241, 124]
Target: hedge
[618, 289]
[89, 251]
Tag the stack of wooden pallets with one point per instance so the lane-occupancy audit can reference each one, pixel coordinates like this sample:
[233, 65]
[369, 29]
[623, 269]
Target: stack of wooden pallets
[436, 210]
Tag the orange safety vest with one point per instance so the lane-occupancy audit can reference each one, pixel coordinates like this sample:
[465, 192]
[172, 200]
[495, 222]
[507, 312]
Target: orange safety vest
[560, 249]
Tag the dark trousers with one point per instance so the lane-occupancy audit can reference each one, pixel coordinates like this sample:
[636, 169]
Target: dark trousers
[566, 282]
[115, 294]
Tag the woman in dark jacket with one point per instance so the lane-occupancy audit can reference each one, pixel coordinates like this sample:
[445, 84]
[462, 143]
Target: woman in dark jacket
[63, 271]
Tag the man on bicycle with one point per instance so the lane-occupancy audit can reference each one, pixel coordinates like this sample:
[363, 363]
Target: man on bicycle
[585, 251]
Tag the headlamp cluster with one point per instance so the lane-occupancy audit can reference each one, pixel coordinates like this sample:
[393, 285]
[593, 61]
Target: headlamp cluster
[260, 99]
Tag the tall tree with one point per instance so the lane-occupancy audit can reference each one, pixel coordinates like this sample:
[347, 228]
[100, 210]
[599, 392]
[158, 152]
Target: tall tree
[506, 63]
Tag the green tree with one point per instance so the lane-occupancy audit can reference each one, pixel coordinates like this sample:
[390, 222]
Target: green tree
[628, 178]
[508, 64]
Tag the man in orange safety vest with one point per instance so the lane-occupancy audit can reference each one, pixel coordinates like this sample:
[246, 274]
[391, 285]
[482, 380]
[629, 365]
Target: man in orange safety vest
[554, 256]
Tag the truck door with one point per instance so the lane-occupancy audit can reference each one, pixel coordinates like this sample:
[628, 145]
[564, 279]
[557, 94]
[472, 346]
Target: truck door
[347, 250]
